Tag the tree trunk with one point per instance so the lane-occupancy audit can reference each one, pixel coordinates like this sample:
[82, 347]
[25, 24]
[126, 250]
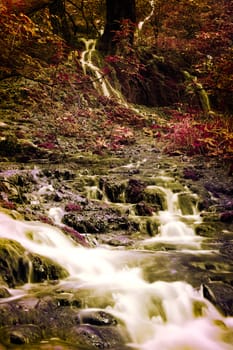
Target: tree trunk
[116, 11]
[59, 21]
[26, 6]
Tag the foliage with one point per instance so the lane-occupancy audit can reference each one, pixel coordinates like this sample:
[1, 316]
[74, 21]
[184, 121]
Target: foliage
[195, 35]
[187, 134]
[26, 46]
[200, 34]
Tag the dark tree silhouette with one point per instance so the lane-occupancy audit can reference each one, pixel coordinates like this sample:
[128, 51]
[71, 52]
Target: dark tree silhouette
[116, 12]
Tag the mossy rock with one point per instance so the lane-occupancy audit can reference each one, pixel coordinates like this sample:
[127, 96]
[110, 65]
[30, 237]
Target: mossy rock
[155, 196]
[44, 269]
[20, 334]
[14, 264]
[186, 203]
[205, 230]
[114, 191]
[220, 294]
[134, 192]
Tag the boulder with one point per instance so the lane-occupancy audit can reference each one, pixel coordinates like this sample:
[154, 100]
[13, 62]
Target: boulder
[221, 295]
[14, 264]
[20, 334]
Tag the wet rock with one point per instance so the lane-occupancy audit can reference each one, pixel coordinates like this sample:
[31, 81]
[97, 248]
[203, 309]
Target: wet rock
[4, 292]
[186, 203]
[45, 269]
[205, 230]
[85, 224]
[155, 196]
[73, 207]
[20, 334]
[114, 190]
[94, 337]
[134, 191]
[191, 174]
[8, 314]
[76, 236]
[143, 209]
[221, 295]
[9, 146]
[97, 318]
[218, 188]
[117, 241]
[98, 219]
[227, 217]
[14, 265]
[227, 249]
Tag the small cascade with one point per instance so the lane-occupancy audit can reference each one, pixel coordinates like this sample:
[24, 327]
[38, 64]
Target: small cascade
[100, 81]
[141, 24]
[86, 61]
[174, 221]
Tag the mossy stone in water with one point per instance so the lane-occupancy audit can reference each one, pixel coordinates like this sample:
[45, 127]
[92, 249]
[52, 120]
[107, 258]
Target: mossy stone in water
[205, 230]
[45, 269]
[20, 334]
[155, 196]
[186, 203]
[14, 264]
[114, 191]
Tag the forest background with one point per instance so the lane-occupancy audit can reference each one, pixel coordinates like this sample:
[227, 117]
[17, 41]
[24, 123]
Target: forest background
[174, 57]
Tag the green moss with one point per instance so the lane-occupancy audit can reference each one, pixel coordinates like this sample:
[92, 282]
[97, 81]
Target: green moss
[14, 265]
[155, 196]
[186, 203]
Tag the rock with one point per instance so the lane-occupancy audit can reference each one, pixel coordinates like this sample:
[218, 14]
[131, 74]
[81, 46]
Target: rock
[20, 334]
[44, 269]
[4, 292]
[9, 146]
[134, 191]
[191, 174]
[227, 217]
[97, 318]
[99, 219]
[94, 337]
[155, 196]
[14, 264]
[114, 190]
[143, 209]
[205, 230]
[227, 249]
[8, 314]
[221, 295]
[186, 203]
[85, 224]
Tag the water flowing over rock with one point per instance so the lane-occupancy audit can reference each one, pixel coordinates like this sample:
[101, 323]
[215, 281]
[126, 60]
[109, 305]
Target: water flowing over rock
[128, 256]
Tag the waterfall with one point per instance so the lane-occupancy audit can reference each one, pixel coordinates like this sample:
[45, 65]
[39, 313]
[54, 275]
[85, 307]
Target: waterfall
[141, 24]
[100, 82]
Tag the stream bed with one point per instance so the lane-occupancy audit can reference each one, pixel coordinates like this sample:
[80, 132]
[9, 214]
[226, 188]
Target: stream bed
[125, 252]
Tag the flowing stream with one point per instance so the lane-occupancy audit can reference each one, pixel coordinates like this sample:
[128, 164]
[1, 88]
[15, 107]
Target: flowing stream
[158, 314]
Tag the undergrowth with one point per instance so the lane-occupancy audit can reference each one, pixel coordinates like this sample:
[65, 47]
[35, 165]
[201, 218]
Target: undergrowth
[191, 134]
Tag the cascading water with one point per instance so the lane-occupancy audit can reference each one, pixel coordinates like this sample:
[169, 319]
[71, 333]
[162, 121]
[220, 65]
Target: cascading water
[100, 82]
[141, 24]
[157, 314]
